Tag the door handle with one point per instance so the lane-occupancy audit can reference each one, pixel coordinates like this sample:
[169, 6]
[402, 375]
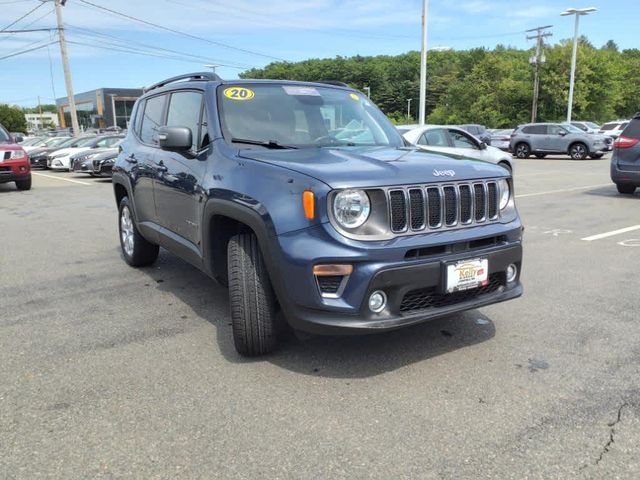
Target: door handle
[131, 159]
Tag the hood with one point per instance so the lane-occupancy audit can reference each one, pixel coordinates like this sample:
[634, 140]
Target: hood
[376, 166]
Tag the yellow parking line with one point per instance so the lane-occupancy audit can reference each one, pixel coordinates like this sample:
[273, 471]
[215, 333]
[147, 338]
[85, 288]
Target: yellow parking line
[564, 190]
[60, 178]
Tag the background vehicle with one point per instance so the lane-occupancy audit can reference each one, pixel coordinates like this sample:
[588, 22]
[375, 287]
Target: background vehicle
[33, 144]
[588, 127]
[285, 191]
[614, 129]
[83, 162]
[38, 157]
[61, 159]
[455, 140]
[501, 138]
[14, 162]
[541, 139]
[478, 131]
[625, 161]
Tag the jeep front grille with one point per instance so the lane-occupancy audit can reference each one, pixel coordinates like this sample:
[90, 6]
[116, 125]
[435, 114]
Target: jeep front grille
[417, 208]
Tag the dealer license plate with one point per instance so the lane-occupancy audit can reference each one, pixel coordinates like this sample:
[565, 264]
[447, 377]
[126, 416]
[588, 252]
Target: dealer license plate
[467, 274]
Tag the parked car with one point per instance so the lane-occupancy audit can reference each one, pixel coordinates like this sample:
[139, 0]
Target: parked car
[501, 138]
[478, 131]
[38, 157]
[83, 162]
[61, 159]
[625, 161]
[454, 140]
[14, 162]
[304, 200]
[614, 129]
[36, 143]
[103, 164]
[588, 127]
[542, 139]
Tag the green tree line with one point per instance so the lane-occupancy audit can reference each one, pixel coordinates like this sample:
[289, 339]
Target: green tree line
[493, 87]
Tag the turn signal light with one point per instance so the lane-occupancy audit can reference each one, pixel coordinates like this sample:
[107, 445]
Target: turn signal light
[309, 204]
[332, 270]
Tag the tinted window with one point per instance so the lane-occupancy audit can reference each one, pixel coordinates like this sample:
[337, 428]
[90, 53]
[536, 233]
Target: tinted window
[152, 119]
[633, 129]
[580, 126]
[4, 136]
[609, 126]
[137, 120]
[555, 129]
[184, 111]
[460, 140]
[107, 142]
[434, 138]
[535, 129]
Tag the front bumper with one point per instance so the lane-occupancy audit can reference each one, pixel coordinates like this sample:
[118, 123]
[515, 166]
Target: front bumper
[414, 287]
[8, 174]
[39, 161]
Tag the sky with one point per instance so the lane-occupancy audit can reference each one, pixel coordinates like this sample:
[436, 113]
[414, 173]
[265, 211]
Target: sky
[239, 34]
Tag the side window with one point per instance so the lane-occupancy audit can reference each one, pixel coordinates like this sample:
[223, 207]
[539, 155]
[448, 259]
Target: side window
[152, 119]
[204, 132]
[555, 129]
[184, 111]
[460, 140]
[535, 129]
[107, 142]
[137, 122]
[434, 138]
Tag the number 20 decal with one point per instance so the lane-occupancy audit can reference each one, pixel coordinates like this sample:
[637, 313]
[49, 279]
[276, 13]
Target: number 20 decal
[238, 93]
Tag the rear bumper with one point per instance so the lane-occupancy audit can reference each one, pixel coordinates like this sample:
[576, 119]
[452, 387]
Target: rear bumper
[628, 177]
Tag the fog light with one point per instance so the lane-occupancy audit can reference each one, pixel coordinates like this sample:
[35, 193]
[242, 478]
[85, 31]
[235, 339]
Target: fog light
[512, 272]
[377, 301]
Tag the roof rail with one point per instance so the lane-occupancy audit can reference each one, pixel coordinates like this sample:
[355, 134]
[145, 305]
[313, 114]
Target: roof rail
[333, 82]
[202, 76]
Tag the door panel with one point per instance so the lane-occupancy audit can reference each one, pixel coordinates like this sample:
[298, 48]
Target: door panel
[554, 140]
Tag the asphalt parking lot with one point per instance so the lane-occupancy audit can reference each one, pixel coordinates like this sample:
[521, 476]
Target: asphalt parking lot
[110, 372]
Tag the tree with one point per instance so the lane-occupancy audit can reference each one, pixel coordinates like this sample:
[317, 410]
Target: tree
[12, 118]
[611, 46]
[46, 107]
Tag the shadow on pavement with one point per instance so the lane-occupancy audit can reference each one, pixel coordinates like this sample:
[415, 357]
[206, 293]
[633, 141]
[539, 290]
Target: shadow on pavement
[327, 356]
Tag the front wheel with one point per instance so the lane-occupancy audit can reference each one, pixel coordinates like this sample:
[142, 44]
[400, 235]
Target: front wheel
[24, 184]
[137, 251]
[625, 188]
[596, 156]
[578, 151]
[251, 297]
[522, 150]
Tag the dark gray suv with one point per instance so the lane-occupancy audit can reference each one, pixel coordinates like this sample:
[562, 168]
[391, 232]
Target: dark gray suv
[542, 139]
[625, 162]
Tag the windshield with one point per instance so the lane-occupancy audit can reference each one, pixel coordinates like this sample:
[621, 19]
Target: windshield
[4, 136]
[56, 141]
[84, 142]
[302, 116]
[591, 125]
[31, 141]
[571, 128]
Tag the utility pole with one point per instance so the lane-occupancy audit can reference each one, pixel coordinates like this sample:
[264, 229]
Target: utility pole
[65, 66]
[536, 61]
[40, 112]
[423, 64]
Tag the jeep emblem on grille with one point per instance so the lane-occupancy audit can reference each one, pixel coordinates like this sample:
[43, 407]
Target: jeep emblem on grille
[444, 173]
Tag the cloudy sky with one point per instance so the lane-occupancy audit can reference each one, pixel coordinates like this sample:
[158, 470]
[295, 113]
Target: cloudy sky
[109, 50]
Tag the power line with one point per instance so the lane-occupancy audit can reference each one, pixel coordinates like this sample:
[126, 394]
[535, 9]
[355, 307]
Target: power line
[23, 16]
[178, 32]
[30, 23]
[28, 30]
[26, 51]
[53, 87]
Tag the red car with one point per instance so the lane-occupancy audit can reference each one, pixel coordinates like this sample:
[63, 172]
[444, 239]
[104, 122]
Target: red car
[14, 162]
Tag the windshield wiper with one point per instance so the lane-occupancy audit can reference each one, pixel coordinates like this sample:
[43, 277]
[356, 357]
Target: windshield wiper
[268, 143]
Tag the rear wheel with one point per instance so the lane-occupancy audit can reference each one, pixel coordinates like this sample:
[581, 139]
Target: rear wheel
[251, 297]
[522, 150]
[540, 155]
[625, 188]
[24, 184]
[596, 156]
[136, 249]
[578, 151]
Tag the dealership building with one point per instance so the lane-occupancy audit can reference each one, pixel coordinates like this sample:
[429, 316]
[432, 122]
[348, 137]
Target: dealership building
[101, 108]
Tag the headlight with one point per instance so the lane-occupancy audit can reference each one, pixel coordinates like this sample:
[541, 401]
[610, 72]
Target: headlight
[505, 193]
[60, 155]
[351, 208]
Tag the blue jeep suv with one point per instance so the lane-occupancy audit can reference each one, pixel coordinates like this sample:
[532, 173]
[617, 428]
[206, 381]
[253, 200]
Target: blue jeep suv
[304, 199]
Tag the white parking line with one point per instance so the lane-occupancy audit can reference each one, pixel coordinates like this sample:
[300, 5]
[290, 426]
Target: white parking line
[563, 190]
[611, 234]
[60, 178]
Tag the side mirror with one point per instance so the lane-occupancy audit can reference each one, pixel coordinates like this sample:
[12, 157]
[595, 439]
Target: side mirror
[483, 145]
[175, 138]
[562, 133]
[18, 138]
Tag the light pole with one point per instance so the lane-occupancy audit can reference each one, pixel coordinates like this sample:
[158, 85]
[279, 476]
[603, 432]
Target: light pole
[577, 12]
[368, 90]
[423, 64]
[113, 108]
[409, 108]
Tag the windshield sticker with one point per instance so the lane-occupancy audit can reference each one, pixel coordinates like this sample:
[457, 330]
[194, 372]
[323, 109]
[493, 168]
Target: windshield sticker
[239, 93]
[354, 96]
[296, 90]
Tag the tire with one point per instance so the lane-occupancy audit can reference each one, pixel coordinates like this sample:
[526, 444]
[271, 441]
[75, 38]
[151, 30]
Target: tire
[540, 155]
[626, 188]
[578, 151]
[596, 156]
[251, 297]
[522, 150]
[24, 184]
[136, 250]
[506, 166]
